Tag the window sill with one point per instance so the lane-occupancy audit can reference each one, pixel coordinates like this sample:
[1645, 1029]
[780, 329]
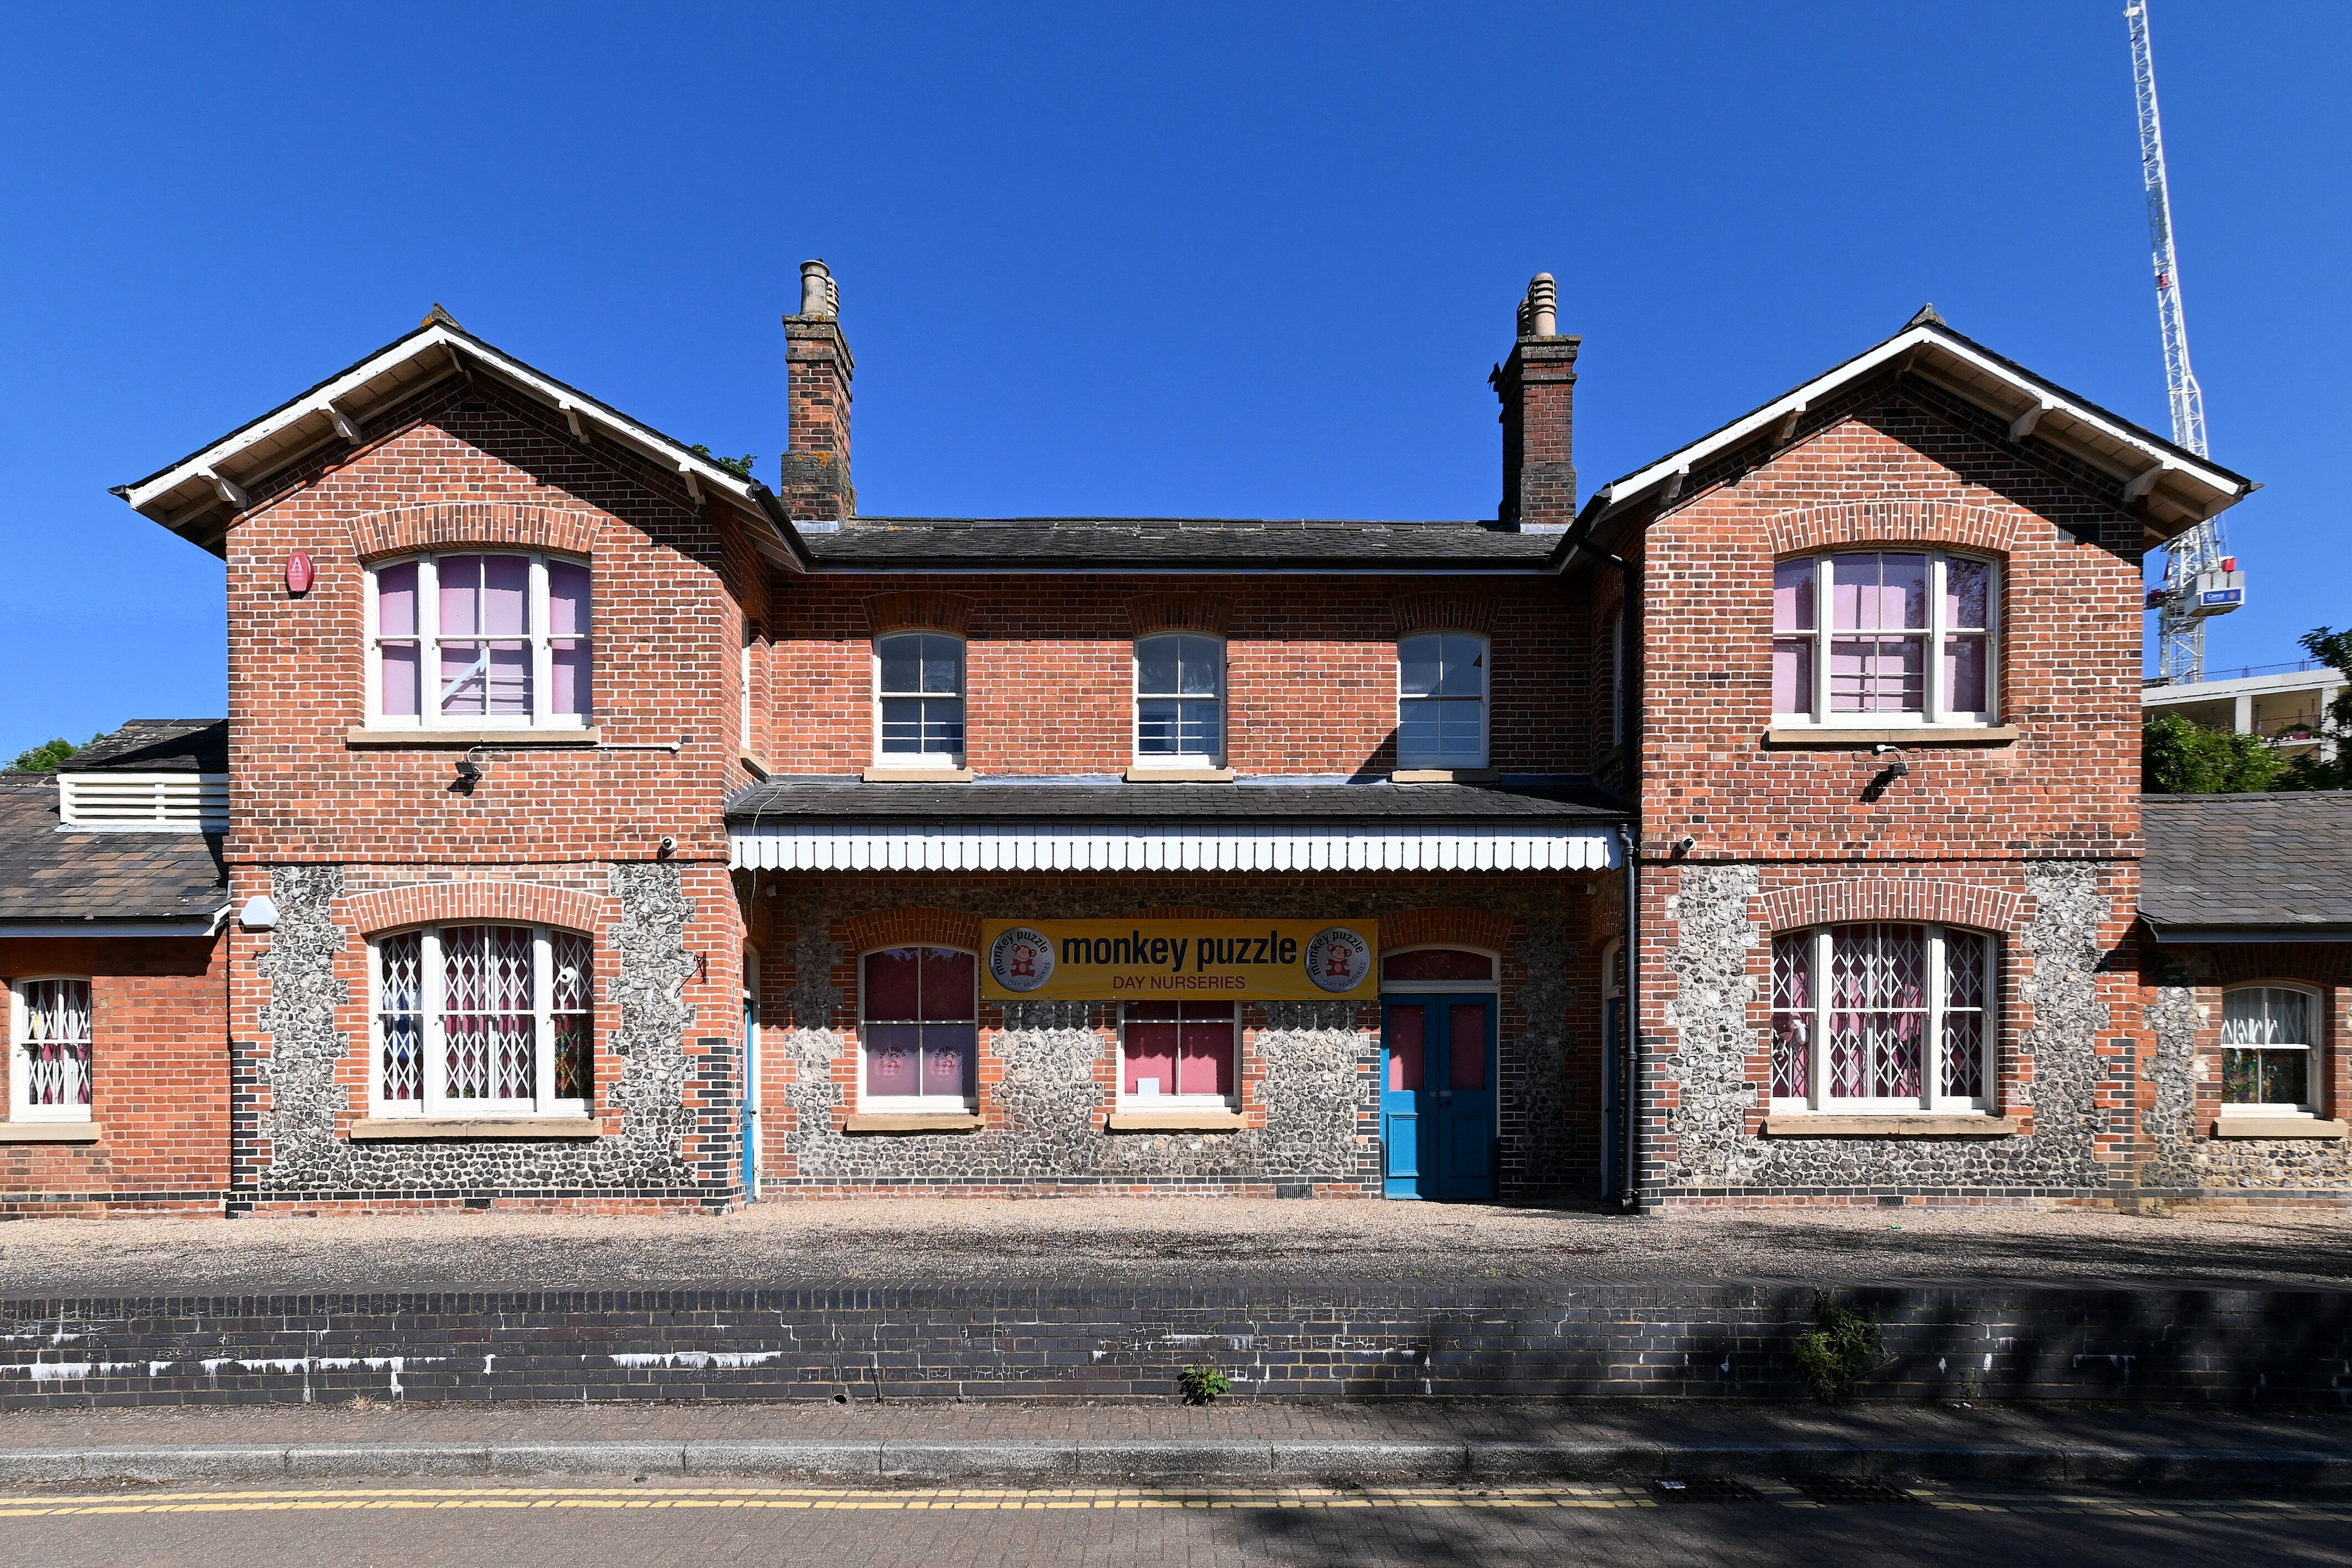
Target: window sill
[916, 776]
[1178, 1121]
[1826, 736]
[371, 1129]
[1180, 775]
[1816, 1124]
[2275, 1127]
[913, 1122]
[752, 765]
[51, 1131]
[1443, 775]
[591, 735]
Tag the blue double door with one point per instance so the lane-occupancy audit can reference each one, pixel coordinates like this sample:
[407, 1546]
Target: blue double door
[1437, 1096]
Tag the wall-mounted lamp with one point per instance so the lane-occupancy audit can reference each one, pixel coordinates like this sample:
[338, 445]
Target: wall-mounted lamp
[1899, 768]
[667, 847]
[259, 913]
[1683, 846]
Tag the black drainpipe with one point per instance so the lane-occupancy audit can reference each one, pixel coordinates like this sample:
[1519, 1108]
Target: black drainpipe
[1629, 1020]
[1628, 1046]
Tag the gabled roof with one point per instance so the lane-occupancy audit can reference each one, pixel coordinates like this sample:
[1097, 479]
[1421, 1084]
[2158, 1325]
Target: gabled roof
[1175, 544]
[196, 496]
[2248, 868]
[156, 746]
[2176, 488]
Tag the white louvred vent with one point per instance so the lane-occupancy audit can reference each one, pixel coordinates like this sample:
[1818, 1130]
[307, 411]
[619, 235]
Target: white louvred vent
[175, 802]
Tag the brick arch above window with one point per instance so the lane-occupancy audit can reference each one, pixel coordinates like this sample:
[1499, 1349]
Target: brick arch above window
[1441, 611]
[1959, 526]
[1891, 898]
[918, 610]
[1445, 928]
[2278, 963]
[1151, 613]
[517, 903]
[484, 525]
[911, 928]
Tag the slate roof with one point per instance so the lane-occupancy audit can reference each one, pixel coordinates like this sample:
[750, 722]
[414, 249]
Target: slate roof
[1011, 544]
[2249, 864]
[806, 796]
[156, 746]
[50, 876]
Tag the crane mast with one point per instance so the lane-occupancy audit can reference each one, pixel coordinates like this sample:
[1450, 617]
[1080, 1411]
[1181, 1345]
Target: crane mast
[2200, 578]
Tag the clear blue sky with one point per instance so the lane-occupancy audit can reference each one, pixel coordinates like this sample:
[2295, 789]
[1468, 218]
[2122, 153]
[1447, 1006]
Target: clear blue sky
[1241, 260]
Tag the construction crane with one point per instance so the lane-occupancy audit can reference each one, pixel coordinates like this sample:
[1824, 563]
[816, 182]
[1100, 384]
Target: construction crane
[2202, 579]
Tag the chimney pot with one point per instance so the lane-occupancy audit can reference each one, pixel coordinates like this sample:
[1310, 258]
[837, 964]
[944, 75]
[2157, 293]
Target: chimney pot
[1540, 316]
[819, 295]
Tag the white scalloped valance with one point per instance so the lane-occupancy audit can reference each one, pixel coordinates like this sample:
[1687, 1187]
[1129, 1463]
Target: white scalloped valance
[788, 847]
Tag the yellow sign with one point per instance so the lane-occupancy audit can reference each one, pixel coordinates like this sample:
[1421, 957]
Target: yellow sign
[1180, 960]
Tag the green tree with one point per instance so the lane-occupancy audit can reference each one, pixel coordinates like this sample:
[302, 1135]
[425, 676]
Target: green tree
[2334, 649]
[739, 466]
[2179, 757]
[44, 758]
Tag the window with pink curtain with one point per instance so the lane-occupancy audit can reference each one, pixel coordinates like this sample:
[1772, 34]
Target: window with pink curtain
[921, 1029]
[476, 639]
[1899, 634]
[570, 689]
[1792, 656]
[1793, 1015]
[397, 629]
[1178, 1048]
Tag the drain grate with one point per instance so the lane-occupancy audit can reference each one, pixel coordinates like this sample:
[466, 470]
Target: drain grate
[1705, 1488]
[1850, 1488]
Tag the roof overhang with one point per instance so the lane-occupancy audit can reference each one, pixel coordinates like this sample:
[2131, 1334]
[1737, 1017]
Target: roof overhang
[2187, 936]
[29, 929]
[197, 497]
[1179, 846]
[2173, 487]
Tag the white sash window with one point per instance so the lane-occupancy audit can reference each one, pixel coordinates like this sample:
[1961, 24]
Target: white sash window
[483, 1021]
[479, 642]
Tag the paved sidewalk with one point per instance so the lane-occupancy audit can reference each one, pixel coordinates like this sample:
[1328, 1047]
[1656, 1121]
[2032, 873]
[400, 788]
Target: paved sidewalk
[1174, 1242]
[1449, 1441]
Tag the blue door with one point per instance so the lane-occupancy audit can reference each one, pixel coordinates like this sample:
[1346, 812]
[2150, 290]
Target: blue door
[750, 1078]
[1437, 1096]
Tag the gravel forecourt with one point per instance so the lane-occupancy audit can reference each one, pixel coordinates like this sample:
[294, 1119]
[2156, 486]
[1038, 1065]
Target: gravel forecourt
[1198, 1241]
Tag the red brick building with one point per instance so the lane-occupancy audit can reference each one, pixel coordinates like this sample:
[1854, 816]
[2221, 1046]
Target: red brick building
[610, 829]
[113, 897]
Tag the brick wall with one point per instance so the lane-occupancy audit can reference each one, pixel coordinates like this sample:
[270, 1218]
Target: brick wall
[2036, 839]
[1310, 668]
[1330, 1340]
[159, 1080]
[364, 837]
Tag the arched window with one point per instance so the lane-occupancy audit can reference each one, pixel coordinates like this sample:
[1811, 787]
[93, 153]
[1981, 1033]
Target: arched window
[51, 1072]
[1883, 1018]
[479, 642]
[1901, 638]
[2270, 1048]
[1438, 968]
[1180, 700]
[920, 1029]
[483, 1021]
[918, 684]
[1441, 700]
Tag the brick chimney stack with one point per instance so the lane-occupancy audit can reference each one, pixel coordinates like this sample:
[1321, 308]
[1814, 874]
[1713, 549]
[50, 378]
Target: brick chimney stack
[1538, 388]
[816, 484]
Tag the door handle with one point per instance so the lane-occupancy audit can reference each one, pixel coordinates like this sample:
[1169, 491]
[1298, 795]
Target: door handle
[1445, 1096]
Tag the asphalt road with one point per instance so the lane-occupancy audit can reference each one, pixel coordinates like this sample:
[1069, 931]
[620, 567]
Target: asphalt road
[404, 1525]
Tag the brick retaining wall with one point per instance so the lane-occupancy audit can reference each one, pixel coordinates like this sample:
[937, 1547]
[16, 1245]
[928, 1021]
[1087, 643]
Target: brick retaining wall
[2247, 1346]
